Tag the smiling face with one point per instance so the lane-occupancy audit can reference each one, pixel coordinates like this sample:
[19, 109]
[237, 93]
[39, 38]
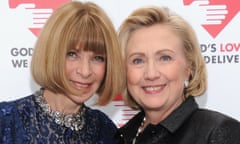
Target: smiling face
[85, 71]
[156, 68]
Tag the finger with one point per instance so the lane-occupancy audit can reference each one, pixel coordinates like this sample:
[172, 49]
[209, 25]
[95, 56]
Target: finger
[200, 2]
[216, 17]
[41, 15]
[42, 10]
[216, 7]
[215, 12]
[26, 5]
[36, 25]
[213, 22]
[37, 20]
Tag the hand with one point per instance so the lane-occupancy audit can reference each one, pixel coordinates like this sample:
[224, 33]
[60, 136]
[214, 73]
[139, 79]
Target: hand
[209, 14]
[36, 17]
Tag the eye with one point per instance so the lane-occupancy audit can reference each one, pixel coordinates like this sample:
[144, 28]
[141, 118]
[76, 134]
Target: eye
[165, 58]
[137, 61]
[99, 58]
[71, 54]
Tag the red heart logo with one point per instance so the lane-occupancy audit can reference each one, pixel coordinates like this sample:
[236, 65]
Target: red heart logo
[232, 6]
[39, 4]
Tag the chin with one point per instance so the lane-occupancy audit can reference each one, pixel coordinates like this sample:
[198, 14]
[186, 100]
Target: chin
[153, 104]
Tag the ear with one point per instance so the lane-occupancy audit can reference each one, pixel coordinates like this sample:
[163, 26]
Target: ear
[188, 72]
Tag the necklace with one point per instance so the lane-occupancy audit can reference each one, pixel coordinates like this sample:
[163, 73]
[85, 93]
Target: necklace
[140, 128]
[72, 121]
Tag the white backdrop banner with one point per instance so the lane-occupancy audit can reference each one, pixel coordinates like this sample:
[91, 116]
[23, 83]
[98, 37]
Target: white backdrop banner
[218, 36]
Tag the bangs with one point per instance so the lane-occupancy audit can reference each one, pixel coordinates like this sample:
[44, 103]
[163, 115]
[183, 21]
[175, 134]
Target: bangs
[88, 36]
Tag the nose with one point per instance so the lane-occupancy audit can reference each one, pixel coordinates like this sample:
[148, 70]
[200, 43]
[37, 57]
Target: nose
[84, 68]
[151, 71]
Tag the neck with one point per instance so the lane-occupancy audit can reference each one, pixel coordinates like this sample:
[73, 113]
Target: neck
[60, 102]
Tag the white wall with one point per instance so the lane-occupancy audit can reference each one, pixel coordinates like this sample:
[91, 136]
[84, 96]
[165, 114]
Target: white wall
[223, 90]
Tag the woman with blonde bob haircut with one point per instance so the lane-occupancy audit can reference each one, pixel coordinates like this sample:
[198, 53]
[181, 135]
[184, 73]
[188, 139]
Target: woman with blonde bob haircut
[75, 28]
[76, 56]
[165, 70]
[198, 76]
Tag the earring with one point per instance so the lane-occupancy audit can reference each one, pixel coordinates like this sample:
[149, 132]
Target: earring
[186, 83]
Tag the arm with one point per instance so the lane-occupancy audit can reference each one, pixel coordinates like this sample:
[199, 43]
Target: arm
[6, 122]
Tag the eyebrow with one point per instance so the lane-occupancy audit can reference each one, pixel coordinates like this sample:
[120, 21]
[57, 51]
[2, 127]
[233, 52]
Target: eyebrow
[158, 52]
[136, 53]
[165, 50]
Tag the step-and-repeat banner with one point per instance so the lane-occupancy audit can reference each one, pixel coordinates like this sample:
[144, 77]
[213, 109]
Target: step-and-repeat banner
[219, 36]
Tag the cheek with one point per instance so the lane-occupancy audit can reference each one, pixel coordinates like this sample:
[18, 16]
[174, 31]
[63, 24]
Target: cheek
[133, 75]
[100, 71]
[69, 67]
[176, 73]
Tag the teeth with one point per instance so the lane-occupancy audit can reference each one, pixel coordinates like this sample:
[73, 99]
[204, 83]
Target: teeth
[80, 85]
[152, 88]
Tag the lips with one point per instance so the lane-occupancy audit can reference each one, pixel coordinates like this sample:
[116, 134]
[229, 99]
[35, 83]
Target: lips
[81, 85]
[153, 89]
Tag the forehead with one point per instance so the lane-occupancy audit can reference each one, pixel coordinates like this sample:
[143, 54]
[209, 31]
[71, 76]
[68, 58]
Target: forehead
[154, 38]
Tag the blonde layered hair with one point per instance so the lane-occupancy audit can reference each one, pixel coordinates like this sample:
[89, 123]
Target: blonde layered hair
[77, 25]
[148, 16]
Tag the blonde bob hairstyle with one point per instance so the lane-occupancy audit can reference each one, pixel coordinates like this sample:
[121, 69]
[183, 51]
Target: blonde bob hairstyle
[77, 25]
[148, 16]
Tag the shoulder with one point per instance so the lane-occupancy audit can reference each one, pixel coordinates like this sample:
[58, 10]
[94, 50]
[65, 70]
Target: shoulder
[95, 113]
[221, 128]
[98, 116]
[8, 108]
[129, 128]
[213, 116]
[133, 123]
[11, 126]
[105, 128]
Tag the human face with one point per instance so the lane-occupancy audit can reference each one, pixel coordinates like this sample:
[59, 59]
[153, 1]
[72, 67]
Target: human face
[85, 71]
[156, 68]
